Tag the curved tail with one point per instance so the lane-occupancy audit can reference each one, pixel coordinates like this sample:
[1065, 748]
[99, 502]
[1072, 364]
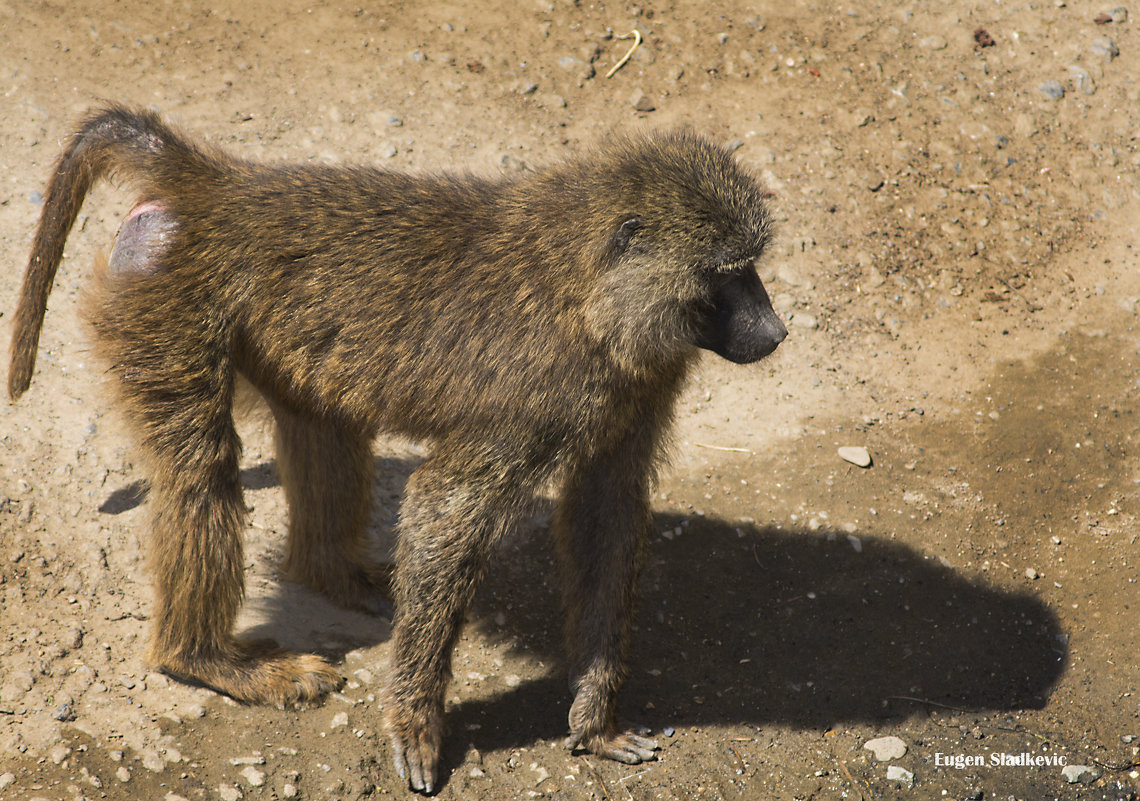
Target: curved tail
[112, 139]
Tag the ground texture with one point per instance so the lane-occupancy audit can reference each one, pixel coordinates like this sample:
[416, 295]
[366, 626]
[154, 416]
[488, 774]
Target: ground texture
[958, 193]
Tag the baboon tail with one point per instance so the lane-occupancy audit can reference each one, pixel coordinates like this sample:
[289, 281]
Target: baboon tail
[112, 139]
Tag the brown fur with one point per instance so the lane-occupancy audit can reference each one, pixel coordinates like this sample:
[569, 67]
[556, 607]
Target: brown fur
[535, 328]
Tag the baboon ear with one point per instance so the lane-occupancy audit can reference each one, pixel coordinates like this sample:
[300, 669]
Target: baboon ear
[623, 234]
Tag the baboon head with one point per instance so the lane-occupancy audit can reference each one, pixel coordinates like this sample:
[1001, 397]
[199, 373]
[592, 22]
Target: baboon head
[683, 255]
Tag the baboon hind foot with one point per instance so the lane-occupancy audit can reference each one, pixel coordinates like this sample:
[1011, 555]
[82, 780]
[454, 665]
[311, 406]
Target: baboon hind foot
[361, 587]
[258, 672]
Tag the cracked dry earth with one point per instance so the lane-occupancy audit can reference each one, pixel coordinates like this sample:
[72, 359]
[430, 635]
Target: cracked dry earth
[957, 267]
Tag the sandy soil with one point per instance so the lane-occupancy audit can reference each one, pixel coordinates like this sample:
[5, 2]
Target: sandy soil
[957, 268]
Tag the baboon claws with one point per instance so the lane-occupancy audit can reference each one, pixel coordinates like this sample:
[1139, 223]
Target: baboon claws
[416, 737]
[627, 747]
[413, 764]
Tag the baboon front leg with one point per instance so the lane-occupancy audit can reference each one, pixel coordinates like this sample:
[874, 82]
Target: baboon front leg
[326, 470]
[181, 404]
[453, 514]
[601, 526]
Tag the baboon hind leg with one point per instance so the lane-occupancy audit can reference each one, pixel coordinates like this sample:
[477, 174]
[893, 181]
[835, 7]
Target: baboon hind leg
[601, 526]
[326, 469]
[178, 394]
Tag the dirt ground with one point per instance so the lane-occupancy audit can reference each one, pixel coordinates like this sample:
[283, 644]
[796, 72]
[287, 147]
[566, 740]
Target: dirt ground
[956, 264]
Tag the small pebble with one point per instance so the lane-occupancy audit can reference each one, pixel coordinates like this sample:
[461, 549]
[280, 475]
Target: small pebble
[1105, 48]
[123, 775]
[541, 773]
[901, 775]
[194, 711]
[1080, 774]
[1052, 90]
[249, 760]
[856, 455]
[289, 791]
[364, 676]
[641, 102]
[339, 720]
[805, 321]
[668, 731]
[59, 753]
[153, 761]
[1030, 573]
[255, 777]
[1082, 80]
[886, 748]
[7, 779]
[228, 792]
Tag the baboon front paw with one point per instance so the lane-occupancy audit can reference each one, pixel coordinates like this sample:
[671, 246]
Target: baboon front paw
[624, 747]
[415, 749]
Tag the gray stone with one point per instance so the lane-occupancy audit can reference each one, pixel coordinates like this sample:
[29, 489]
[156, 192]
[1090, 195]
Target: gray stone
[1082, 80]
[1080, 774]
[1052, 90]
[1105, 48]
[642, 102]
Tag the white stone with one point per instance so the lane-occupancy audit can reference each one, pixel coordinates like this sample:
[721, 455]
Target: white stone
[856, 455]
[886, 748]
[255, 777]
[902, 775]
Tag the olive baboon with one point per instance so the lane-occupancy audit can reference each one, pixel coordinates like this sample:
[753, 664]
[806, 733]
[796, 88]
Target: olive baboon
[536, 328]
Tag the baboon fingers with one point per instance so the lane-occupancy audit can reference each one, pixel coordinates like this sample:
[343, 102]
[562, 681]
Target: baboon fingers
[634, 746]
[627, 747]
[416, 757]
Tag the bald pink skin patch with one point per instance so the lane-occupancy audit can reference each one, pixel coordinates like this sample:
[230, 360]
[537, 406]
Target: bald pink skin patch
[142, 240]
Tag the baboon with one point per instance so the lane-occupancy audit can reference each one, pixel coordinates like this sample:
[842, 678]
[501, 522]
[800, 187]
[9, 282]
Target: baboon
[535, 329]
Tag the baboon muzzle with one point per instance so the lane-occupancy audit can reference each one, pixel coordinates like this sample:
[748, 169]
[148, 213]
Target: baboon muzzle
[743, 327]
